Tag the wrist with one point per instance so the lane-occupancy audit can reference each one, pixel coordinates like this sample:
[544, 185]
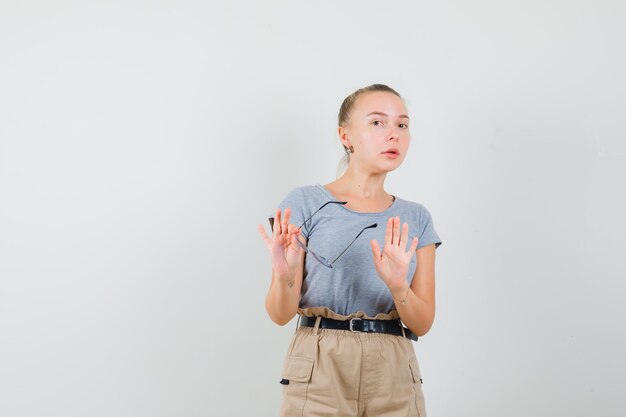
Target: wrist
[287, 280]
[398, 288]
[401, 293]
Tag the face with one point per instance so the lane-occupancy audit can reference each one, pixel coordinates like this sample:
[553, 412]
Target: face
[378, 129]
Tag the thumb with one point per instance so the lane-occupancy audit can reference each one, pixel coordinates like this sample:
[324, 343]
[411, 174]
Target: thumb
[296, 243]
[264, 236]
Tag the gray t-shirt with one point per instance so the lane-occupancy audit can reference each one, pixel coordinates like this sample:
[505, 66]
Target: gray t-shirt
[352, 284]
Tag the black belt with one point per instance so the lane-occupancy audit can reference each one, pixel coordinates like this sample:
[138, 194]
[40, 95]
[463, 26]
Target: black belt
[360, 325]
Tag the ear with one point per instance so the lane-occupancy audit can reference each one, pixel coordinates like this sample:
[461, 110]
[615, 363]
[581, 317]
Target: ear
[343, 136]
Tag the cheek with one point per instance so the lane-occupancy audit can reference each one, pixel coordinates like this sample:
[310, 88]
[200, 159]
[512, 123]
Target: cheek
[371, 144]
[367, 140]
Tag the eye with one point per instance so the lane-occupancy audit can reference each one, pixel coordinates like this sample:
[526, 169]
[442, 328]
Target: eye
[403, 126]
[377, 122]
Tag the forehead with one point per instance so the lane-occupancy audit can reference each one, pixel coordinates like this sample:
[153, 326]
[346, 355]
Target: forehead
[379, 101]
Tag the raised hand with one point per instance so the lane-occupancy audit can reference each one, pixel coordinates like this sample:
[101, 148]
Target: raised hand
[392, 264]
[285, 252]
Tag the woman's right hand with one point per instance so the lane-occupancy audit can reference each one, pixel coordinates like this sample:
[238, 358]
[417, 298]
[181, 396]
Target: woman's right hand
[285, 252]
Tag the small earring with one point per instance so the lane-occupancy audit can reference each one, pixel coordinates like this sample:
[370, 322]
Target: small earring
[351, 149]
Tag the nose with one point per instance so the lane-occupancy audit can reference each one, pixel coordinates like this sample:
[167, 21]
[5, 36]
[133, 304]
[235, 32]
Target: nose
[393, 133]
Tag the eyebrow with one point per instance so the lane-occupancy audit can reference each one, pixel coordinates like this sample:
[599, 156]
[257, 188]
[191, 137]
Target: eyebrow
[386, 115]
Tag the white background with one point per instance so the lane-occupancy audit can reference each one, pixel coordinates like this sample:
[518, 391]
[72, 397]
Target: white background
[142, 142]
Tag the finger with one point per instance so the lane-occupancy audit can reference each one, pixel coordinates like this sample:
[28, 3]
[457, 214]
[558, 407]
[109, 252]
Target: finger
[375, 250]
[291, 230]
[285, 223]
[388, 231]
[300, 240]
[277, 230]
[396, 231]
[405, 235]
[264, 235]
[294, 245]
[295, 230]
[413, 246]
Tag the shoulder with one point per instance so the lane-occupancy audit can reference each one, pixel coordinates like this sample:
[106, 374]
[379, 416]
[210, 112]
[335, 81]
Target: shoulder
[304, 192]
[305, 197]
[423, 223]
[413, 207]
[415, 212]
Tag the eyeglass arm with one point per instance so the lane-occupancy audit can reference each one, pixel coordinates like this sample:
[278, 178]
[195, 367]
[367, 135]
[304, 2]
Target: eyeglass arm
[354, 240]
[324, 205]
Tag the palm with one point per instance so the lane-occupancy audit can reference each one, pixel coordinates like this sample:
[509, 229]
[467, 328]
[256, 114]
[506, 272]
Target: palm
[285, 253]
[393, 262]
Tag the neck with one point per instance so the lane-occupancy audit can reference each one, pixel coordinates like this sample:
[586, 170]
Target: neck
[363, 186]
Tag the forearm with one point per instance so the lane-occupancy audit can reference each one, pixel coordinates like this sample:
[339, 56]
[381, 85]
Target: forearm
[416, 313]
[283, 298]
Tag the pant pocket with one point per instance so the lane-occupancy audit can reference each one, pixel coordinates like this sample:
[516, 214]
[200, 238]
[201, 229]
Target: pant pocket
[417, 387]
[296, 377]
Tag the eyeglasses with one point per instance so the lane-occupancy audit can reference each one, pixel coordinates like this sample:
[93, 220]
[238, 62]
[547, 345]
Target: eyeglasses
[320, 258]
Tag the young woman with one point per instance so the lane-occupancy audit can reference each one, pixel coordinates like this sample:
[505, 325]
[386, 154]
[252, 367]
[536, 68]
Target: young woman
[351, 354]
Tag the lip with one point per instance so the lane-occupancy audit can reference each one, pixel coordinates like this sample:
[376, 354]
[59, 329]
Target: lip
[391, 153]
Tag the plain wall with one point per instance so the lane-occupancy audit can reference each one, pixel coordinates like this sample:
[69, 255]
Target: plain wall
[142, 142]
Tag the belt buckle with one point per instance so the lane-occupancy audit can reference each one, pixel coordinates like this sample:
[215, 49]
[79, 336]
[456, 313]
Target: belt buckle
[352, 325]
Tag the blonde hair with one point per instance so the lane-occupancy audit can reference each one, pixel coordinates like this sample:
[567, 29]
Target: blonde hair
[344, 115]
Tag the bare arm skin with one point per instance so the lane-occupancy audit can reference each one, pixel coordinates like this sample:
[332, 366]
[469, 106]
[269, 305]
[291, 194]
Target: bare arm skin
[281, 302]
[415, 304]
[418, 310]
[287, 257]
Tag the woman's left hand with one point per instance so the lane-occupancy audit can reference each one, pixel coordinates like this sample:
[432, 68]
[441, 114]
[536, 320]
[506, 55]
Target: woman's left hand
[392, 264]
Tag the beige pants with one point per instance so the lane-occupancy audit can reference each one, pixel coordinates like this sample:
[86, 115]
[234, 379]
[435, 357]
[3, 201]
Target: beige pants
[340, 373]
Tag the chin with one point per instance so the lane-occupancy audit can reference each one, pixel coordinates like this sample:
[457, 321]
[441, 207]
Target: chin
[391, 165]
[384, 170]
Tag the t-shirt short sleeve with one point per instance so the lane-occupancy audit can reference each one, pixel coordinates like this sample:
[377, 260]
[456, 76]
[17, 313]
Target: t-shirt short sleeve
[427, 234]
